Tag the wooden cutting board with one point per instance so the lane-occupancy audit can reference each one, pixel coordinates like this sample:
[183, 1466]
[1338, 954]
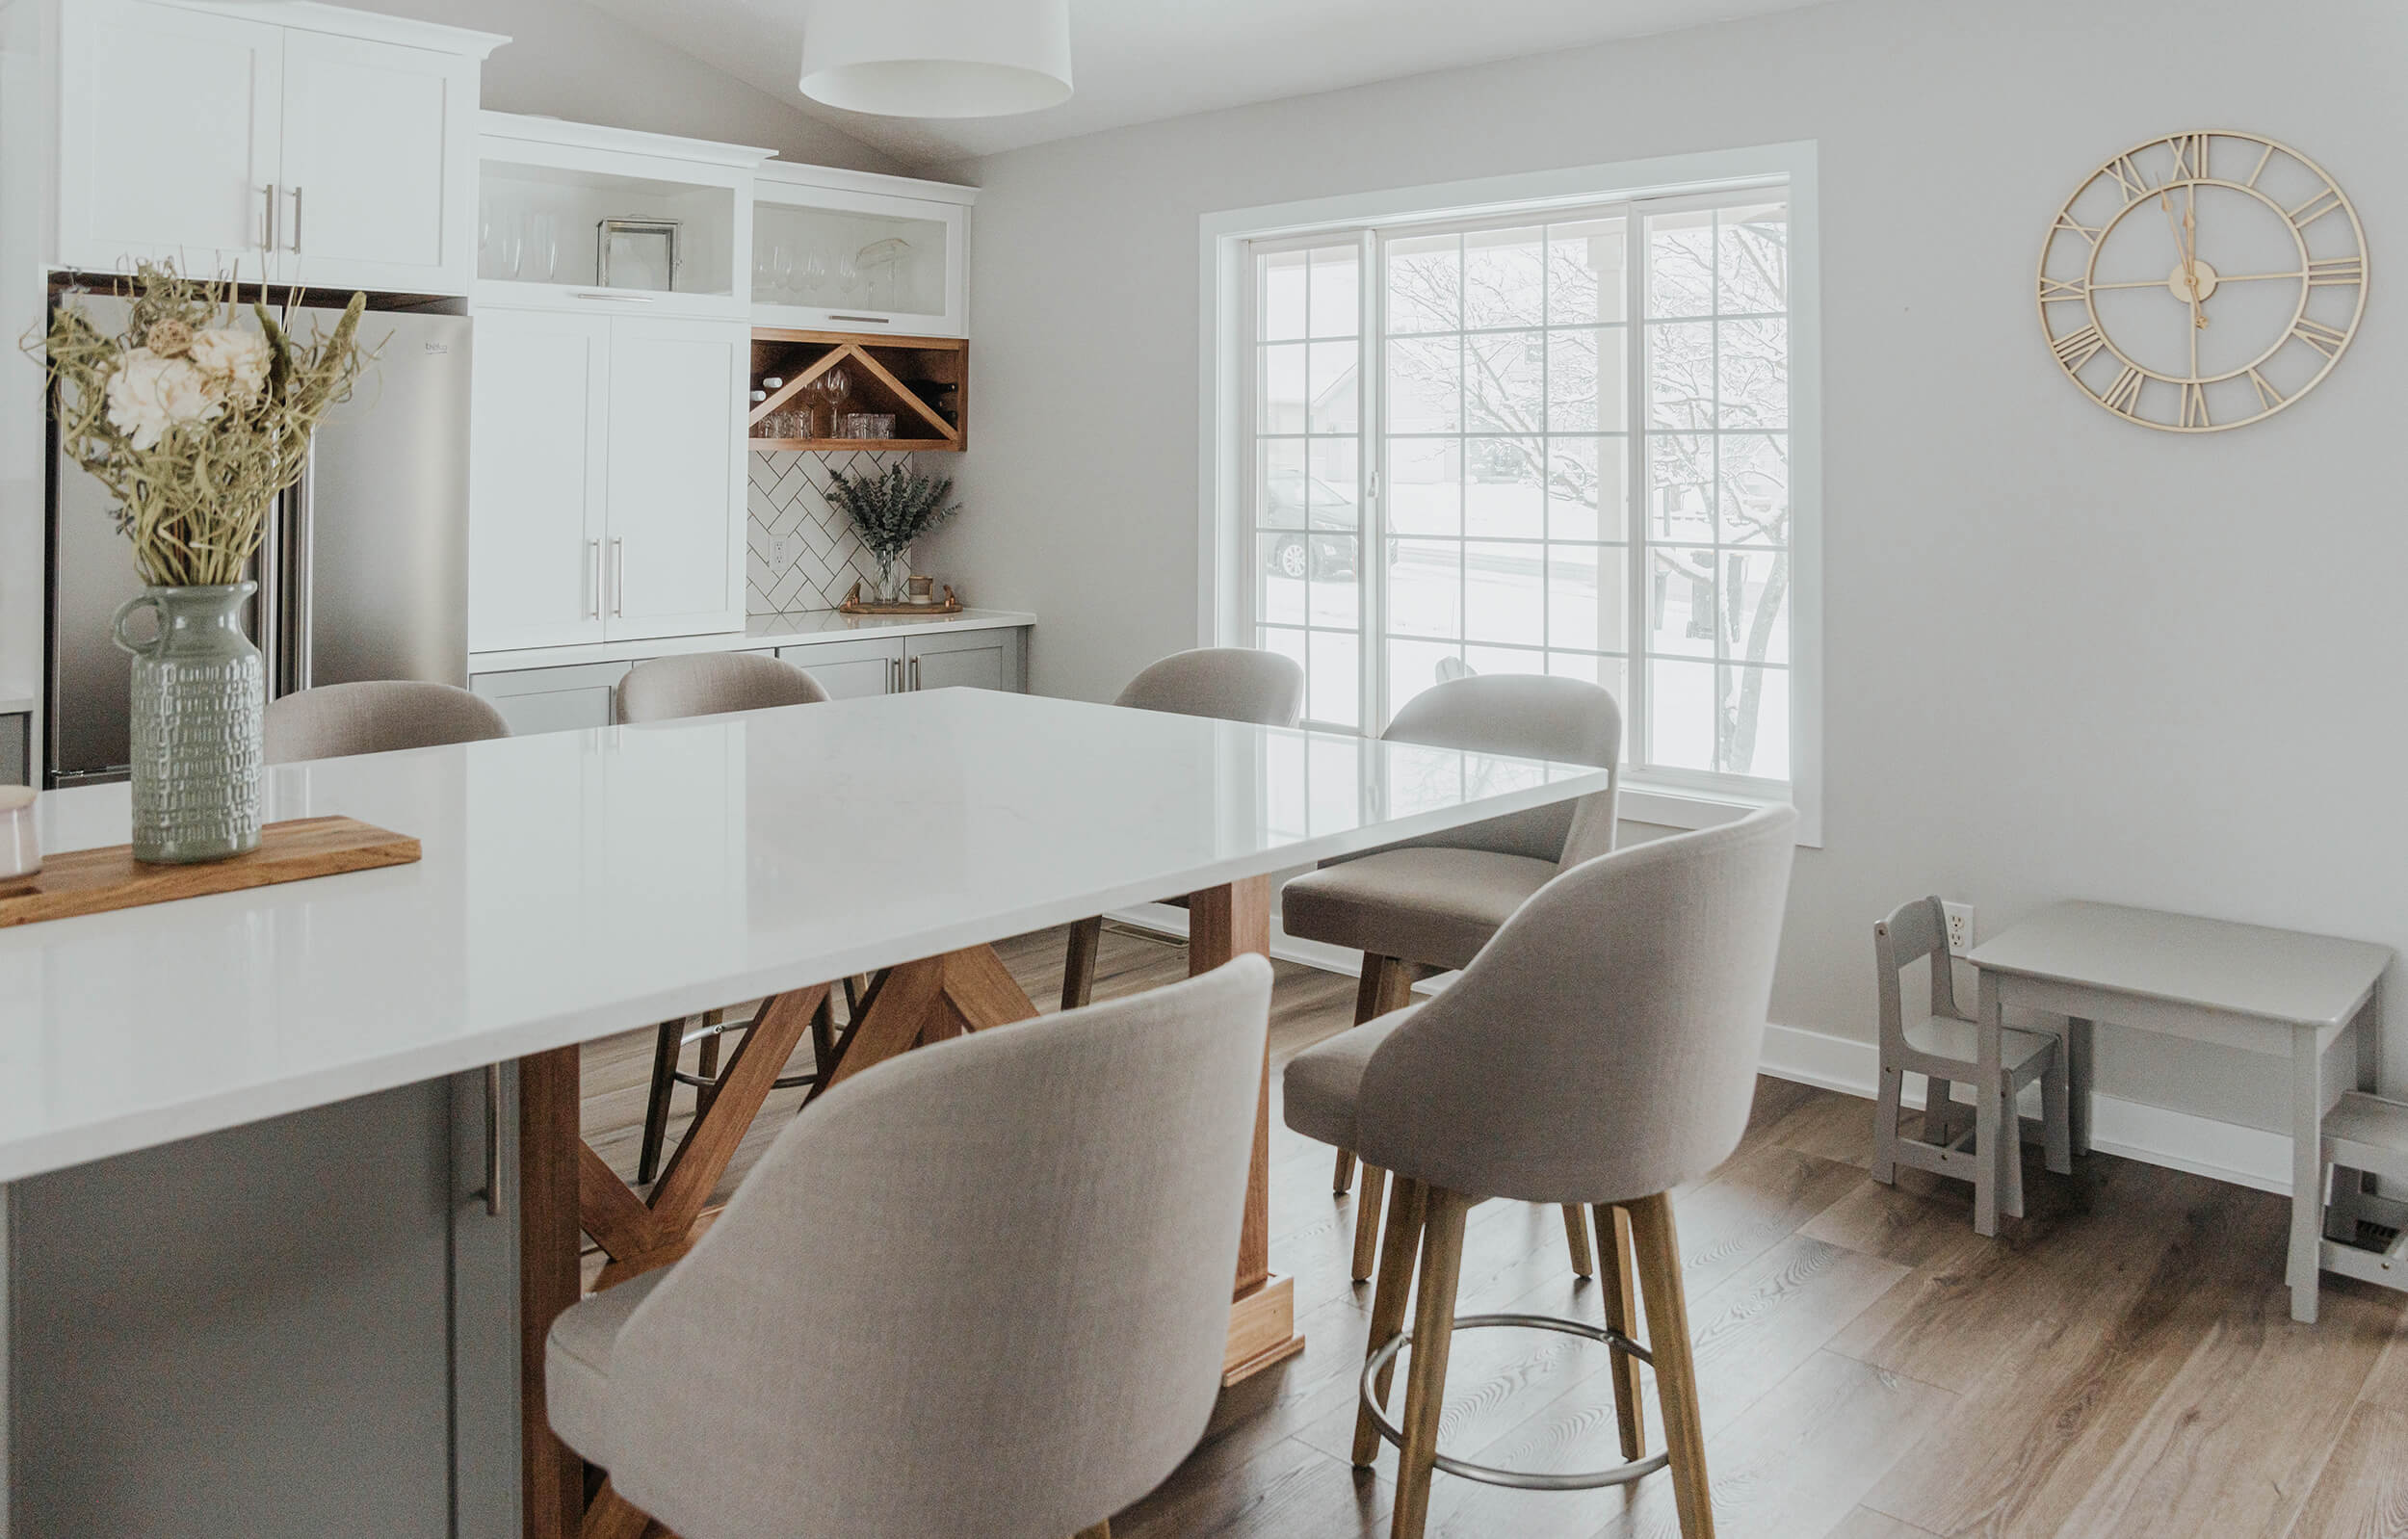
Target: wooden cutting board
[95, 881]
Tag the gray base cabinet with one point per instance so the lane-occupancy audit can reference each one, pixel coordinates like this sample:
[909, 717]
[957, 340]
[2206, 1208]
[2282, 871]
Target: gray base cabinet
[563, 699]
[298, 1328]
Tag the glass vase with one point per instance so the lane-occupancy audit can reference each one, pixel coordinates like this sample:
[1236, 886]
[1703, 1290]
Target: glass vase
[894, 575]
[200, 693]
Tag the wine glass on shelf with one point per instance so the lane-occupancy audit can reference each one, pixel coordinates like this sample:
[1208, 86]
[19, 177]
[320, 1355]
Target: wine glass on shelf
[849, 276]
[815, 273]
[513, 246]
[543, 246]
[782, 264]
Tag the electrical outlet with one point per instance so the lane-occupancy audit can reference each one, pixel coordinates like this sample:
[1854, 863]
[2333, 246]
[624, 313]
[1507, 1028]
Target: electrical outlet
[1960, 918]
[781, 551]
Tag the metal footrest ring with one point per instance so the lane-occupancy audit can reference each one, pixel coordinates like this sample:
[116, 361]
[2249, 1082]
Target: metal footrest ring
[1489, 1474]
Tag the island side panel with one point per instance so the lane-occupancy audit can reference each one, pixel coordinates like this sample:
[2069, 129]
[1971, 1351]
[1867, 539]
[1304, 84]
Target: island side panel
[245, 1333]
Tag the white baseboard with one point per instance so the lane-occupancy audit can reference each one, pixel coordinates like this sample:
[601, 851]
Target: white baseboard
[2221, 1151]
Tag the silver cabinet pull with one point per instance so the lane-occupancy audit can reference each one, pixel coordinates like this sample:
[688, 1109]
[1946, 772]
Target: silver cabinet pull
[267, 218]
[297, 211]
[493, 1140]
[866, 319]
[894, 675]
[618, 579]
[615, 298]
[593, 579]
[915, 672]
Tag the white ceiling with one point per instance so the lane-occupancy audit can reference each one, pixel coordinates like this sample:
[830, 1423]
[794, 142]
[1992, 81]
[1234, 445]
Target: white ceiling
[1140, 61]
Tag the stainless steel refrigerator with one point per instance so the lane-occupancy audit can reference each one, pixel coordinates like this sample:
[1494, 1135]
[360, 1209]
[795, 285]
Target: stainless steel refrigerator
[364, 574]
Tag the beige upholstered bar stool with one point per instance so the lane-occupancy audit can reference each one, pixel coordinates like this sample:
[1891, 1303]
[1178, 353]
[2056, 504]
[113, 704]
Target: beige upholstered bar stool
[336, 720]
[1227, 683]
[1018, 1332]
[1945, 1048]
[671, 689]
[1600, 1050]
[1430, 904]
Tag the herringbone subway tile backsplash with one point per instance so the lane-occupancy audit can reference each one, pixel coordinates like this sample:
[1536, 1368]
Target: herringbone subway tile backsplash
[788, 500]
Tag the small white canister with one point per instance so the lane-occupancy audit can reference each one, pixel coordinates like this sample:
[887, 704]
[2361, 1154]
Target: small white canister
[20, 845]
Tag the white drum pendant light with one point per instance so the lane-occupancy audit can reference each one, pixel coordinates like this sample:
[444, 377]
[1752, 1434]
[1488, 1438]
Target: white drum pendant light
[937, 58]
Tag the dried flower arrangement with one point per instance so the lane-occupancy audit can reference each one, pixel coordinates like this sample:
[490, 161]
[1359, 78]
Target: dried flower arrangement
[195, 422]
[890, 508]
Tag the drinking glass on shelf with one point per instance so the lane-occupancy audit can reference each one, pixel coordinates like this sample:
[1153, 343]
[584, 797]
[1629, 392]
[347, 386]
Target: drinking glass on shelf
[849, 276]
[543, 247]
[513, 246]
[815, 273]
[782, 264]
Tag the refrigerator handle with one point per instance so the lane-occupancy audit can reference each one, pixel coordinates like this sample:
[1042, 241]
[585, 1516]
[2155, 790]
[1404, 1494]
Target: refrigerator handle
[299, 576]
[268, 569]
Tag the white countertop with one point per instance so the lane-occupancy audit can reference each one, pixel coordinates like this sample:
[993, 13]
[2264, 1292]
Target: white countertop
[579, 883]
[797, 628]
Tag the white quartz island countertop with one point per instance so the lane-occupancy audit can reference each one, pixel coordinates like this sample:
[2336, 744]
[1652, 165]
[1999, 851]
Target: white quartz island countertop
[579, 883]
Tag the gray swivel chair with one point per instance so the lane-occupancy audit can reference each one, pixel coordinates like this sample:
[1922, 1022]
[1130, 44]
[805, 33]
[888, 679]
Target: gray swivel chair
[982, 1289]
[1430, 904]
[671, 689]
[1600, 1050]
[1227, 683]
[336, 720]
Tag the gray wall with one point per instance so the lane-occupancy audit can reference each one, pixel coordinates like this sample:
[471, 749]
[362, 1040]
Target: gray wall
[571, 61]
[2064, 655]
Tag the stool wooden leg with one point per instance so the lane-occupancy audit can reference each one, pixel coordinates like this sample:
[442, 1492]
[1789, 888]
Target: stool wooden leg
[665, 1046]
[610, 1515]
[1102, 1531]
[1078, 968]
[1657, 1249]
[1344, 1176]
[1614, 1235]
[1575, 1235]
[1403, 1247]
[1433, 1335]
[1367, 1221]
[823, 1036]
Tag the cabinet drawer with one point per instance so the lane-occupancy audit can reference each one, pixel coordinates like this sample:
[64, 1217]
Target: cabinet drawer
[535, 700]
[978, 660]
[849, 670]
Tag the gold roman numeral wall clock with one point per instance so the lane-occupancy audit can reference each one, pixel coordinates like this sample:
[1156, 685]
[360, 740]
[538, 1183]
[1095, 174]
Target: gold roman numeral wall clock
[2203, 281]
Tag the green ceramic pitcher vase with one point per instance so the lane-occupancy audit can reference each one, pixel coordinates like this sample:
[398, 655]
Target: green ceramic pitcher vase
[199, 692]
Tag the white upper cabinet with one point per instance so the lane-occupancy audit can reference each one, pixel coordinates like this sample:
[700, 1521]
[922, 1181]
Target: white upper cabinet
[380, 155]
[836, 250]
[169, 134]
[608, 221]
[292, 143]
[676, 476]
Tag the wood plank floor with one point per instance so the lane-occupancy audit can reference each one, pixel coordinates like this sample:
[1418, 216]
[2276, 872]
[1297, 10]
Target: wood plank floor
[2121, 1362]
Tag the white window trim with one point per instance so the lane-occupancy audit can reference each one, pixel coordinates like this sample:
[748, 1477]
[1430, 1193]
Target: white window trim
[1224, 272]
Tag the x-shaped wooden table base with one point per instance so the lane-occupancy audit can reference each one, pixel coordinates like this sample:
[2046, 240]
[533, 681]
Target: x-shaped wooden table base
[565, 1188]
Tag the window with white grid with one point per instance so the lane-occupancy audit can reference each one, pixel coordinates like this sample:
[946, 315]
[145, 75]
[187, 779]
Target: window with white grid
[1535, 444]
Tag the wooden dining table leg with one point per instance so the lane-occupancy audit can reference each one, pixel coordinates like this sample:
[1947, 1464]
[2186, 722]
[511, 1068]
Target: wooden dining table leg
[553, 1489]
[1223, 921]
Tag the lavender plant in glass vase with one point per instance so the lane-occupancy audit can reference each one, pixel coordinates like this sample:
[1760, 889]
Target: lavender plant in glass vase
[890, 508]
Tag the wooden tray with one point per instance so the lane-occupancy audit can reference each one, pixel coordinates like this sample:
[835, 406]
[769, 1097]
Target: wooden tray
[854, 604]
[95, 881]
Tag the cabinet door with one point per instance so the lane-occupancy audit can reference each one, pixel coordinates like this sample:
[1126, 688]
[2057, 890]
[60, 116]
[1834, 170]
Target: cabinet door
[849, 670]
[379, 165]
[535, 466]
[809, 249]
[567, 699]
[981, 660]
[676, 515]
[168, 132]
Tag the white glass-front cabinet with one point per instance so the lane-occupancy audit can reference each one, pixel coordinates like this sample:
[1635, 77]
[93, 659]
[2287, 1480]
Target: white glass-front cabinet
[607, 221]
[835, 250]
[606, 481]
[340, 154]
